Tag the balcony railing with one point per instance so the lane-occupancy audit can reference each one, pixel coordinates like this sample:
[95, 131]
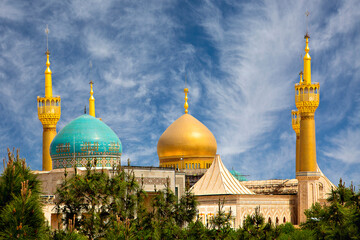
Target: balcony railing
[49, 105]
[307, 93]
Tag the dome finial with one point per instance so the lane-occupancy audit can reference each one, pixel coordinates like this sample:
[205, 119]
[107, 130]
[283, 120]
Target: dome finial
[91, 99]
[186, 90]
[301, 77]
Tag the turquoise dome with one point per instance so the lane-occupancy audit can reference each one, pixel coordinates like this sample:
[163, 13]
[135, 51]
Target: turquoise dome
[238, 175]
[85, 139]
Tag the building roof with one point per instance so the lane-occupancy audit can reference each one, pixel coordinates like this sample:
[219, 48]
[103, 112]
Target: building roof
[219, 181]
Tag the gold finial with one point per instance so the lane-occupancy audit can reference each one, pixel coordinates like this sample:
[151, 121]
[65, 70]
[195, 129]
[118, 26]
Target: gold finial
[307, 36]
[186, 90]
[91, 88]
[91, 100]
[186, 105]
[301, 77]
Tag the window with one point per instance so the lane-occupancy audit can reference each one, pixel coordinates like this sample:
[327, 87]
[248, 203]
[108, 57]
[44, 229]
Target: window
[186, 165]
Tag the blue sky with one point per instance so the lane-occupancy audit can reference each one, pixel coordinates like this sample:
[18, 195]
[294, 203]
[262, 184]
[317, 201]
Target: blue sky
[242, 60]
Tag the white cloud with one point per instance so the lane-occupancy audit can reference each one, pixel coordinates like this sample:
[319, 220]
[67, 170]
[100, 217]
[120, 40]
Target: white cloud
[10, 11]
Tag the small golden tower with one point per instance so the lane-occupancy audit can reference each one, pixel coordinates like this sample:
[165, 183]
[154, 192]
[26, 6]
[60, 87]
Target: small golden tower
[295, 119]
[49, 111]
[91, 101]
[307, 100]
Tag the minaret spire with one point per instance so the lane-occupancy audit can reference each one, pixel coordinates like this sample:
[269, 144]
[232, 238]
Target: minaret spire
[48, 79]
[91, 101]
[307, 58]
[186, 90]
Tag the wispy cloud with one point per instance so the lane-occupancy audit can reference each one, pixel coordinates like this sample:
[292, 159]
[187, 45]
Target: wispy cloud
[241, 60]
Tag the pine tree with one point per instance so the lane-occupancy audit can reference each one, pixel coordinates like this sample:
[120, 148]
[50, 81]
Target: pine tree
[101, 205]
[220, 224]
[339, 218]
[185, 210]
[255, 226]
[21, 214]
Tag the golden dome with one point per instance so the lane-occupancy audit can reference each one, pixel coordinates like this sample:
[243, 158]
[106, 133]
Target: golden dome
[186, 137]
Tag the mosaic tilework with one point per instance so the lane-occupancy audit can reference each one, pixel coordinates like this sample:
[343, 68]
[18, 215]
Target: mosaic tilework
[78, 161]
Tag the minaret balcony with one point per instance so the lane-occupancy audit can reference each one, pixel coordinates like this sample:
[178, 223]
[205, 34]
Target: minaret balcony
[307, 93]
[49, 107]
[295, 120]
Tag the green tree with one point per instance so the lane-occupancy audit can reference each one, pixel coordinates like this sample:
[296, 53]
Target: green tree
[185, 210]
[99, 203]
[255, 226]
[21, 214]
[220, 224]
[339, 218]
[196, 230]
[164, 207]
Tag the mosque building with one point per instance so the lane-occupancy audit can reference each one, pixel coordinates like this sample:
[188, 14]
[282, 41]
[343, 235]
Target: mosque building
[187, 150]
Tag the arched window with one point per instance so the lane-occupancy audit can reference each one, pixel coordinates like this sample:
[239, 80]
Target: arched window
[186, 165]
[269, 220]
[277, 221]
[305, 90]
[284, 220]
[311, 90]
[52, 103]
[315, 91]
[47, 103]
[193, 166]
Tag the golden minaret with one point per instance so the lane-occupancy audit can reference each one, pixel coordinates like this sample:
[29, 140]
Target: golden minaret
[295, 120]
[307, 100]
[91, 101]
[49, 111]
